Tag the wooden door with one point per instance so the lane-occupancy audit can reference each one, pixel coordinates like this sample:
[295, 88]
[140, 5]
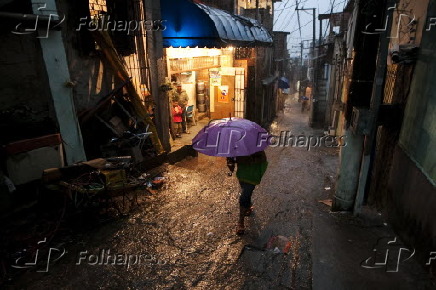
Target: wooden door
[224, 98]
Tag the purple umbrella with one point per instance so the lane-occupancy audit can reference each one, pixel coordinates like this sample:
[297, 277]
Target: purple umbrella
[231, 137]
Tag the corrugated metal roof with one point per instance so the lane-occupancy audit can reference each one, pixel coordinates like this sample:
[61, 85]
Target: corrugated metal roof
[221, 28]
[236, 27]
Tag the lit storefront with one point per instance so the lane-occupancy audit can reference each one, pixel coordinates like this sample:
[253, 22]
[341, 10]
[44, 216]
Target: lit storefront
[201, 43]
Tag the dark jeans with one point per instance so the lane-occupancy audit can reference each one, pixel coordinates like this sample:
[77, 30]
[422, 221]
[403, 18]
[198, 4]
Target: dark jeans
[184, 117]
[247, 191]
[305, 105]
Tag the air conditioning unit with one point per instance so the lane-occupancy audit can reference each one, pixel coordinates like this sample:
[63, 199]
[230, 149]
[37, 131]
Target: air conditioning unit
[405, 53]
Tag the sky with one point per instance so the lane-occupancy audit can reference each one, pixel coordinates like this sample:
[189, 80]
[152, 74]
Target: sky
[286, 19]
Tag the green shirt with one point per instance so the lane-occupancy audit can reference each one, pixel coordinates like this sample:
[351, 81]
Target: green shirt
[251, 168]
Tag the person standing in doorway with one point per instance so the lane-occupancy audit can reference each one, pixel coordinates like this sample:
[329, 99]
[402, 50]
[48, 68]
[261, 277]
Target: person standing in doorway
[182, 98]
[250, 170]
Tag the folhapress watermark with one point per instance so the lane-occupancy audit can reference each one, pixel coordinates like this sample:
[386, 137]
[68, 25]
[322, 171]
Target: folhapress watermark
[225, 137]
[287, 139]
[45, 21]
[388, 253]
[403, 16]
[105, 23]
[104, 257]
[53, 255]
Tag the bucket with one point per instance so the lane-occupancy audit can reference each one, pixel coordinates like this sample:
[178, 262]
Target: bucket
[200, 97]
[201, 108]
[200, 86]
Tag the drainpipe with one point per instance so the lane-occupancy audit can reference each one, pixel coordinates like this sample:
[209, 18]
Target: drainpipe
[348, 177]
[376, 100]
[56, 64]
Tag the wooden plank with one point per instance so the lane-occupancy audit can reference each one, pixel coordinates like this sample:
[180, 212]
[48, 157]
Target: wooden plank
[105, 42]
[194, 69]
[32, 144]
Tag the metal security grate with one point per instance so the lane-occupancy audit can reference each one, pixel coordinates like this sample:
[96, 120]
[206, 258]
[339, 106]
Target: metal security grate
[391, 76]
[239, 93]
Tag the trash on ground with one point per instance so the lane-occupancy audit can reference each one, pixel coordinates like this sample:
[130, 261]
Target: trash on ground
[327, 202]
[279, 244]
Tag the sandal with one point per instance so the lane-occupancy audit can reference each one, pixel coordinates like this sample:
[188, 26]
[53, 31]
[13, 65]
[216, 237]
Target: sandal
[240, 230]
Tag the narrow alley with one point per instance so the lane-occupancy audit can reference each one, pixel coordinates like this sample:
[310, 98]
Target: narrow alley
[117, 118]
[189, 228]
[185, 236]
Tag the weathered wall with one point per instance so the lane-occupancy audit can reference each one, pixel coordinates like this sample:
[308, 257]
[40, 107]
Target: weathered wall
[228, 5]
[418, 136]
[412, 205]
[26, 109]
[256, 103]
[280, 52]
[92, 77]
[412, 189]
[158, 72]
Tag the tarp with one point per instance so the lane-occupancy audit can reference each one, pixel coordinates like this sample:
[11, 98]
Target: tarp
[283, 83]
[194, 24]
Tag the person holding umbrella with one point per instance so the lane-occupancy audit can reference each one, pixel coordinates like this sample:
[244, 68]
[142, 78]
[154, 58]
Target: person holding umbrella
[243, 143]
[250, 170]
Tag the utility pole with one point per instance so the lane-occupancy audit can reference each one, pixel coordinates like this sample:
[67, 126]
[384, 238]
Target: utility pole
[313, 25]
[301, 60]
[313, 103]
[314, 29]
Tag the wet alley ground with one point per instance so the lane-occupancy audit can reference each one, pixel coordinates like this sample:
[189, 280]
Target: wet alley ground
[183, 237]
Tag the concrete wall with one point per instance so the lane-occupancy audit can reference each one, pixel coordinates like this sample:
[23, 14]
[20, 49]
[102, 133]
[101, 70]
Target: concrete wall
[418, 136]
[412, 189]
[407, 11]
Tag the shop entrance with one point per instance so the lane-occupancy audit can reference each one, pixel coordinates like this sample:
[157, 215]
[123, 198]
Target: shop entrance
[224, 98]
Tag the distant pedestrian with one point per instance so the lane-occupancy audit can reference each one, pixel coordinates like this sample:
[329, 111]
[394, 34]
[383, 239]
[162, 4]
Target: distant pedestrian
[250, 170]
[304, 103]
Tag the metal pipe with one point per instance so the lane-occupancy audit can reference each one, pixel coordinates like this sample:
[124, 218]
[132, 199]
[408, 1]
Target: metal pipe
[28, 17]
